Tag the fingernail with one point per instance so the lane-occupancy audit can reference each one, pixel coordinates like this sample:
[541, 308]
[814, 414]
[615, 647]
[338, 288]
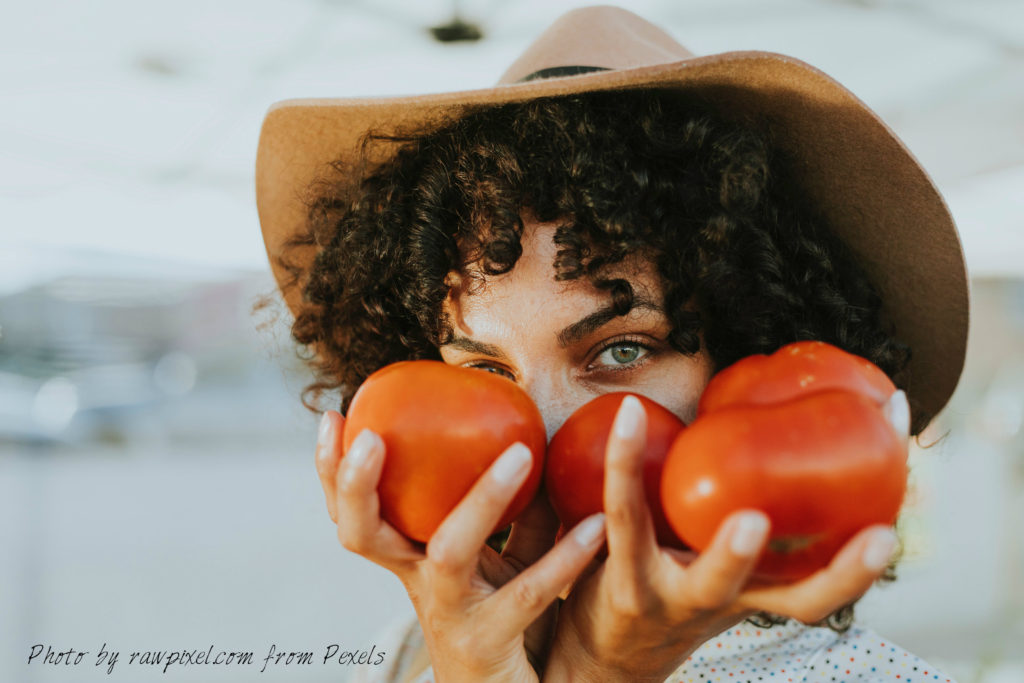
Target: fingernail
[359, 452]
[897, 410]
[323, 437]
[749, 535]
[627, 420]
[879, 550]
[589, 530]
[511, 464]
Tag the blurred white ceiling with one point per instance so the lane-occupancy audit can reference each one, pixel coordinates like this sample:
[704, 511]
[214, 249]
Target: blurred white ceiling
[129, 128]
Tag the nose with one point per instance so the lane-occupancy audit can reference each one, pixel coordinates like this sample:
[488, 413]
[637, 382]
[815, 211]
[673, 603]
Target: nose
[555, 396]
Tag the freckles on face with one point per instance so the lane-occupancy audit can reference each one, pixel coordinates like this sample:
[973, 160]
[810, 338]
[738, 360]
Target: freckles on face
[559, 340]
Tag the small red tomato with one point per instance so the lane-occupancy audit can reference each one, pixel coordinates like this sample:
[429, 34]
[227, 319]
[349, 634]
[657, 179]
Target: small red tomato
[574, 474]
[442, 427]
[799, 435]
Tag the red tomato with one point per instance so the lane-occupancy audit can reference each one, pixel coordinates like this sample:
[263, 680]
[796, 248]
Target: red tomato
[794, 370]
[799, 435]
[442, 427]
[574, 474]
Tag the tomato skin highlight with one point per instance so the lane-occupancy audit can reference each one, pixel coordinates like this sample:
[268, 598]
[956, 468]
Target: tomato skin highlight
[794, 370]
[574, 473]
[800, 435]
[442, 427]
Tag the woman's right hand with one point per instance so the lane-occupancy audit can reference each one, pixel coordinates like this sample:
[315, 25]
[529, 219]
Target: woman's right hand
[481, 613]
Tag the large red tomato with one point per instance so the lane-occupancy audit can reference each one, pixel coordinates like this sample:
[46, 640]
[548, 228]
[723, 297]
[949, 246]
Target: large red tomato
[574, 474]
[802, 439]
[796, 369]
[442, 427]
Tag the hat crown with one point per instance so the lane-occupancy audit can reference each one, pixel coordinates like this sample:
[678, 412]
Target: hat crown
[600, 37]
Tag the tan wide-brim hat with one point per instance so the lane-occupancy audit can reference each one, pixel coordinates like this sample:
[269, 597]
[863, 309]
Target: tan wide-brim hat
[862, 179]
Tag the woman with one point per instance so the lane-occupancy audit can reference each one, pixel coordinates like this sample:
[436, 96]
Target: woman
[619, 216]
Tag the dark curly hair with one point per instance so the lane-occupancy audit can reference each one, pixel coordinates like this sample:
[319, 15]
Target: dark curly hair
[708, 199]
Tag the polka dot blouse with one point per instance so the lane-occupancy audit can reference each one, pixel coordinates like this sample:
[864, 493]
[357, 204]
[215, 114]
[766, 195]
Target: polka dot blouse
[794, 653]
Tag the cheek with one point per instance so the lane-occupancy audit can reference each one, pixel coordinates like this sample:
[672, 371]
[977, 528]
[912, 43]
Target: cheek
[679, 383]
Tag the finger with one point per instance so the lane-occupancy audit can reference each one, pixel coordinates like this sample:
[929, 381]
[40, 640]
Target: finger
[520, 601]
[533, 534]
[631, 540]
[328, 452]
[455, 546]
[716, 577]
[850, 574]
[897, 411]
[360, 528]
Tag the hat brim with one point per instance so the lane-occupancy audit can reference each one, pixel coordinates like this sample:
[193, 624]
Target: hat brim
[858, 174]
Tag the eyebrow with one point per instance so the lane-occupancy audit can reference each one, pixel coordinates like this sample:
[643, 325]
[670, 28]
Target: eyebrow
[567, 336]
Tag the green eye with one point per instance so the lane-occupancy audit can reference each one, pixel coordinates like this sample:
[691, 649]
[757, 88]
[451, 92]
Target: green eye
[625, 353]
[622, 353]
[494, 370]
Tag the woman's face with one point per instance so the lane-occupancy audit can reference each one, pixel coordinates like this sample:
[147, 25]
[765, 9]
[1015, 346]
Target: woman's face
[560, 342]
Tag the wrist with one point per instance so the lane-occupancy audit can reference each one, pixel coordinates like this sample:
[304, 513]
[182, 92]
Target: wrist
[571, 660]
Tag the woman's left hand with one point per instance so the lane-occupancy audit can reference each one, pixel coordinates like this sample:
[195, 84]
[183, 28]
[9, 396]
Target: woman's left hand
[643, 611]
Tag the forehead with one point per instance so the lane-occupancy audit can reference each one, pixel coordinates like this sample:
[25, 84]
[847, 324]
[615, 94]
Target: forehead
[531, 285]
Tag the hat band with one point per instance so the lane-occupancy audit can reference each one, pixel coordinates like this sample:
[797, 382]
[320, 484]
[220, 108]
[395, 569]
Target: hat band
[560, 71]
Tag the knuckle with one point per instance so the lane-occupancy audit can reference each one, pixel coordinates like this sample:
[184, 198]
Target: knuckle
[527, 596]
[488, 497]
[628, 603]
[350, 485]
[623, 513]
[621, 463]
[352, 541]
[442, 559]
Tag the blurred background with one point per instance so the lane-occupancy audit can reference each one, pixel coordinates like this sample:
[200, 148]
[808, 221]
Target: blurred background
[157, 489]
